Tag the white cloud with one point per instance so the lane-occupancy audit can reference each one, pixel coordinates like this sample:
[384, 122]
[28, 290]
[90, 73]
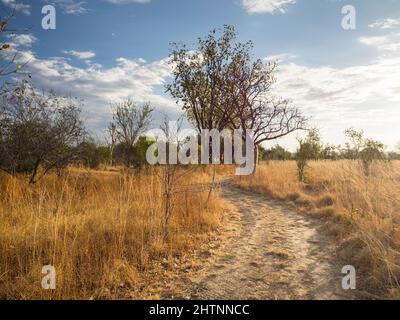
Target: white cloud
[365, 95]
[316, 87]
[18, 6]
[388, 23]
[282, 57]
[266, 6]
[23, 40]
[71, 7]
[99, 86]
[389, 42]
[84, 55]
[373, 41]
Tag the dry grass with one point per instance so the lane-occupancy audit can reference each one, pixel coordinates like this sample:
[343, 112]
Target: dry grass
[362, 212]
[101, 230]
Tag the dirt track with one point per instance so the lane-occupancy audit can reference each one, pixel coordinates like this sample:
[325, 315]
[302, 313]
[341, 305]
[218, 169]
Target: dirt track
[273, 253]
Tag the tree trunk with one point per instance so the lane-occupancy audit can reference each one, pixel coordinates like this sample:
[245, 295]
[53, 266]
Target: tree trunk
[256, 159]
[212, 184]
[34, 172]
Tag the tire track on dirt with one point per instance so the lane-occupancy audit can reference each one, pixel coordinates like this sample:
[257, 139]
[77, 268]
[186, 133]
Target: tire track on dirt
[275, 253]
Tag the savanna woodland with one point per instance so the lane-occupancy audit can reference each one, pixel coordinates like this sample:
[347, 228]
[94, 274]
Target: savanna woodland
[115, 227]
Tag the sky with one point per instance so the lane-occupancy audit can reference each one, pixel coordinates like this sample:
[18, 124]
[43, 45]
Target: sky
[104, 51]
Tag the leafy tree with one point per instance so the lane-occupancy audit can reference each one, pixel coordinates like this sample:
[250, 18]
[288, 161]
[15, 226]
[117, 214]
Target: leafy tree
[330, 152]
[393, 155]
[37, 131]
[222, 87]
[309, 149]
[200, 78]
[138, 152]
[354, 145]
[372, 150]
[277, 153]
[92, 156]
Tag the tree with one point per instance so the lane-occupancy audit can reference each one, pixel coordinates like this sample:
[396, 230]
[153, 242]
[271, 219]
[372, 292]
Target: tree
[37, 131]
[365, 149]
[222, 87]
[354, 145]
[372, 150]
[130, 121]
[92, 155]
[395, 155]
[309, 149]
[112, 139]
[200, 77]
[138, 152]
[330, 152]
[248, 93]
[276, 153]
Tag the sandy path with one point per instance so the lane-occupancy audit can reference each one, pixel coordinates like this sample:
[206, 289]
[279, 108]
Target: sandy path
[274, 253]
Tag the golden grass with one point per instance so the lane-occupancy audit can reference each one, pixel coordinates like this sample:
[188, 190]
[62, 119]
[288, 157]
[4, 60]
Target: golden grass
[362, 212]
[101, 230]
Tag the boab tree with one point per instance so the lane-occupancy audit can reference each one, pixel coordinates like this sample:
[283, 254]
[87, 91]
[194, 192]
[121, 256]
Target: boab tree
[38, 132]
[200, 77]
[248, 93]
[222, 87]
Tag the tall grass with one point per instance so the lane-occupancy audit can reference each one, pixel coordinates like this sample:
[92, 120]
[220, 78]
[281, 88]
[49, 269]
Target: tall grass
[101, 231]
[363, 212]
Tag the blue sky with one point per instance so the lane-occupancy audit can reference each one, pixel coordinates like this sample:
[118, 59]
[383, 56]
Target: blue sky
[106, 50]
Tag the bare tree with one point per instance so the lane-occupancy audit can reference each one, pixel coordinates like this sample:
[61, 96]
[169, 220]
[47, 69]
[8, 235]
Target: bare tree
[169, 175]
[173, 177]
[130, 121]
[112, 139]
[37, 131]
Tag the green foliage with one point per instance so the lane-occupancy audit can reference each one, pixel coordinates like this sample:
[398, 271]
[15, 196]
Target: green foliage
[92, 156]
[201, 74]
[276, 153]
[136, 153]
[217, 81]
[330, 152]
[309, 149]
[140, 149]
[354, 145]
[130, 121]
[37, 131]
